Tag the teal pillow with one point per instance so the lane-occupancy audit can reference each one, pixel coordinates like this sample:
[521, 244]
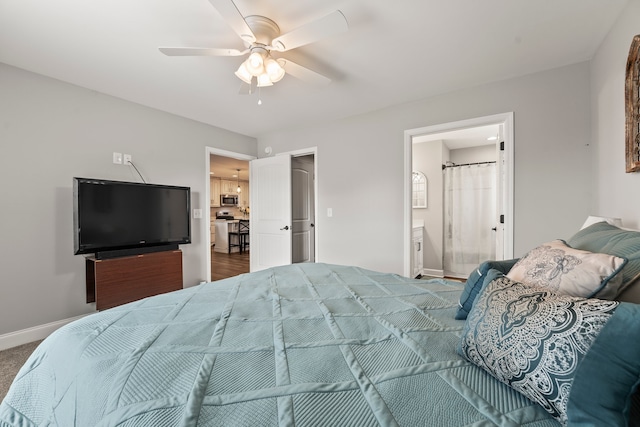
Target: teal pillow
[606, 238]
[476, 280]
[574, 356]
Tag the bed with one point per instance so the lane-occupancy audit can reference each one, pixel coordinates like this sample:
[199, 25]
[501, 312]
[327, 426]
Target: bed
[299, 345]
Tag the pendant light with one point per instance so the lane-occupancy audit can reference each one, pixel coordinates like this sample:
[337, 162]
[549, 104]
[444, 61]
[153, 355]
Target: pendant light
[238, 190]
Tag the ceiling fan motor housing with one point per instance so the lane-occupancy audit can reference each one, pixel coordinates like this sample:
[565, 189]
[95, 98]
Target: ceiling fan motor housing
[264, 30]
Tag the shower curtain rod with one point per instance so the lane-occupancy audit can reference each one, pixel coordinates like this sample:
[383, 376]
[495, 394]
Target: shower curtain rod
[465, 164]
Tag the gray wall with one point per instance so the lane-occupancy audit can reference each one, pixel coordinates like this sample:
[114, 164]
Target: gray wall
[52, 131]
[361, 164]
[615, 192]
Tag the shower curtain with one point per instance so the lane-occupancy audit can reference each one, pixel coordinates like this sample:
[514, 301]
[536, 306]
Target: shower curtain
[469, 217]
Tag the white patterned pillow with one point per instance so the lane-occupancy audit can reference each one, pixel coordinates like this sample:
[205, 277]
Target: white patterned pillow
[534, 340]
[565, 270]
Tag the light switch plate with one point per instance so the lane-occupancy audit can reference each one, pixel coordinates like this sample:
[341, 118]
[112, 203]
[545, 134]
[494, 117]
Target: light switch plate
[117, 158]
[197, 213]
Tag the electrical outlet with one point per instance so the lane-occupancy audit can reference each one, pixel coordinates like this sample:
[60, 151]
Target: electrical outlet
[197, 213]
[127, 159]
[117, 158]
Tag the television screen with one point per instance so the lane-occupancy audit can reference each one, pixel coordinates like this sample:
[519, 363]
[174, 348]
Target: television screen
[115, 215]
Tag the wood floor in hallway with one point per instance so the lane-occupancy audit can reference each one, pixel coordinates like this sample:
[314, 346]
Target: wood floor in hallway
[227, 265]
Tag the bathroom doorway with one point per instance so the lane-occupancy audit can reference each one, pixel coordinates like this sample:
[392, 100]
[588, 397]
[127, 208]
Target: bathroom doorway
[446, 154]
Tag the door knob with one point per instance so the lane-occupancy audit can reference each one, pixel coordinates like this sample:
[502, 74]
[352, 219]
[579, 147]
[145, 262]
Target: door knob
[312, 225]
[494, 229]
[286, 227]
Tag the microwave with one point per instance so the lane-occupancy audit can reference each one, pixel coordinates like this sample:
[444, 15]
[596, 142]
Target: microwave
[228, 200]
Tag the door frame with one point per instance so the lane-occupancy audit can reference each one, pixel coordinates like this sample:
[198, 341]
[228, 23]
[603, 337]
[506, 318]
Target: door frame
[207, 214]
[505, 119]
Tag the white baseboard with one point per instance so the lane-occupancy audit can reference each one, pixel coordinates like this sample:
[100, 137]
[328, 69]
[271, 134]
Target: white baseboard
[432, 272]
[40, 332]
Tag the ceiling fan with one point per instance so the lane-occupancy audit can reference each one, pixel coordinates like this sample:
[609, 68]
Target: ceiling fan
[261, 37]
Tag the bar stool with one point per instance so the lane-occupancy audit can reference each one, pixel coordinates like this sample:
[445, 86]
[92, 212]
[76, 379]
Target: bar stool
[241, 234]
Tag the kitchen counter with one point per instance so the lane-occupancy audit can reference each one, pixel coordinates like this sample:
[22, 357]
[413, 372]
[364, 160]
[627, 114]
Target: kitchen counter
[223, 226]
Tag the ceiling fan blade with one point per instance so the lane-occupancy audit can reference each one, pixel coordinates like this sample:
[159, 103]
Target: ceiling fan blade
[234, 18]
[302, 73]
[201, 51]
[333, 23]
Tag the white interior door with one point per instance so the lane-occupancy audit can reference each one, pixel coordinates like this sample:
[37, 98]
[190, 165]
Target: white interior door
[303, 210]
[270, 181]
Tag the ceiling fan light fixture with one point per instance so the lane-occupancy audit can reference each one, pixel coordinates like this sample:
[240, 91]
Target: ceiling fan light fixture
[243, 74]
[255, 63]
[264, 80]
[274, 70]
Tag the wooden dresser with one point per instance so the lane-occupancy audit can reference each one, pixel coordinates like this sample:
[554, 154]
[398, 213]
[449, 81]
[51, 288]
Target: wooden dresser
[116, 281]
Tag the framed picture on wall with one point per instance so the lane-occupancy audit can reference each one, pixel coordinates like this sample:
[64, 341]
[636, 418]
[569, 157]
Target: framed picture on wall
[632, 107]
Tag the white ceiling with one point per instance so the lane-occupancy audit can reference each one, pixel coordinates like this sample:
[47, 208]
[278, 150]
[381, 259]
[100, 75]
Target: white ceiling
[394, 52]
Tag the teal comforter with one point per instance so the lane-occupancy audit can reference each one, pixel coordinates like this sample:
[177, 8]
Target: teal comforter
[300, 345]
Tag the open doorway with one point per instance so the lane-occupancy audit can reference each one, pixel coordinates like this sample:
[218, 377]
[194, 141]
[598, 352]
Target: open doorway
[458, 164]
[229, 194]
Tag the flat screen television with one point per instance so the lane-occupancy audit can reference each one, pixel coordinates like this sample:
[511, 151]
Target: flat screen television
[116, 218]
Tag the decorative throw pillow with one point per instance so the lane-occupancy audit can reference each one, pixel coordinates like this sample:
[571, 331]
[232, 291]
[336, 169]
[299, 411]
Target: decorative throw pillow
[565, 270]
[476, 280]
[608, 239]
[571, 355]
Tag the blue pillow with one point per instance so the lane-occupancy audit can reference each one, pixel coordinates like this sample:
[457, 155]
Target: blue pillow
[475, 281]
[577, 357]
[608, 239]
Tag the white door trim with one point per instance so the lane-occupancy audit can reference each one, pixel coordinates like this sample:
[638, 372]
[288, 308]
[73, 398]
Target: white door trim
[506, 119]
[206, 230]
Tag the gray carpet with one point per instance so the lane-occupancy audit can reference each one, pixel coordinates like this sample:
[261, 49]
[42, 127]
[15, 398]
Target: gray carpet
[11, 360]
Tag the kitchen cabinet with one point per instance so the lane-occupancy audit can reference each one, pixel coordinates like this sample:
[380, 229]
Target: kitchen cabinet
[224, 186]
[215, 192]
[228, 187]
[417, 240]
[243, 197]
